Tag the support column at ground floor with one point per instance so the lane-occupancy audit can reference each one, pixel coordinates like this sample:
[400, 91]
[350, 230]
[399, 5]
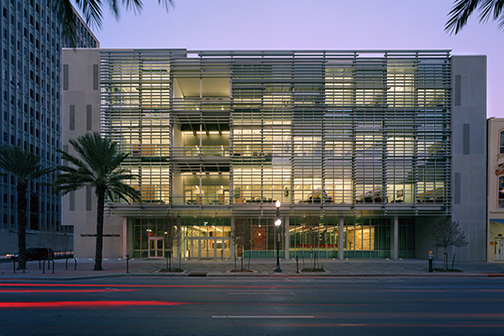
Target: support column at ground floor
[394, 244]
[232, 245]
[336, 237]
[286, 237]
[340, 237]
[179, 237]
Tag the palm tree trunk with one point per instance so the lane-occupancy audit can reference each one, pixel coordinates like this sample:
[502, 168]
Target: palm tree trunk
[21, 222]
[99, 228]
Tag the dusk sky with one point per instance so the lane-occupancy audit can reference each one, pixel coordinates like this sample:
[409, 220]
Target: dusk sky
[302, 24]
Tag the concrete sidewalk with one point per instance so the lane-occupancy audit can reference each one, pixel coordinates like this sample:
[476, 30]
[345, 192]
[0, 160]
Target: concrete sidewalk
[259, 267]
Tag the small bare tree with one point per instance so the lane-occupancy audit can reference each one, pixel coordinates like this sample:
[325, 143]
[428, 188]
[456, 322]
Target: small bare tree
[172, 232]
[65, 241]
[178, 238]
[312, 234]
[241, 234]
[447, 233]
[49, 238]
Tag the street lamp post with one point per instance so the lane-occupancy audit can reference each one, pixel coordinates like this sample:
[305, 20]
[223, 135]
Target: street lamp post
[278, 222]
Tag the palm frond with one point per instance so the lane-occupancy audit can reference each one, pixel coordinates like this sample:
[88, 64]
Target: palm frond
[463, 9]
[97, 164]
[124, 192]
[459, 14]
[21, 163]
[92, 11]
[66, 17]
[41, 172]
[71, 180]
[167, 4]
[136, 5]
[488, 7]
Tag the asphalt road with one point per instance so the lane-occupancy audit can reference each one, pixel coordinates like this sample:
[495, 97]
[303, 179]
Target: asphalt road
[254, 306]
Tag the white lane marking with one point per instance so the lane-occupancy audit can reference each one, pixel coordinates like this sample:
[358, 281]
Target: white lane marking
[260, 293]
[262, 317]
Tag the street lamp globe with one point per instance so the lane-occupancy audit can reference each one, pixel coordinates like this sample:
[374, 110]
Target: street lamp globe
[278, 222]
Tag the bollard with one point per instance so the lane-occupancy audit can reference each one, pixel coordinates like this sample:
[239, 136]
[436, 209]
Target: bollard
[127, 263]
[297, 264]
[431, 256]
[48, 265]
[75, 264]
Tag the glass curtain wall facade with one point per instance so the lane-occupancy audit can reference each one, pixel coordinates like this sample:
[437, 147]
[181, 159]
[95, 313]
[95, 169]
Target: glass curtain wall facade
[355, 139]
[30, 106]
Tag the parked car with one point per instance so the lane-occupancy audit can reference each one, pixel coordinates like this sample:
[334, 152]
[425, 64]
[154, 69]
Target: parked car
[36, 253]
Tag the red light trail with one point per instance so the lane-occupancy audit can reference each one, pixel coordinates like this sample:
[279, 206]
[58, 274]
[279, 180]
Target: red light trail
[86, 304]
[8, 291]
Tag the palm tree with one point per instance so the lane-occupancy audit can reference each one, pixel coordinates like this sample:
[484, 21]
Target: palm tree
[25, 166]
[92, 11]
[97, 165]
[463, 9]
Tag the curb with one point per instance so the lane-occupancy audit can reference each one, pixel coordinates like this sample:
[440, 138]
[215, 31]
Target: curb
[256, 275]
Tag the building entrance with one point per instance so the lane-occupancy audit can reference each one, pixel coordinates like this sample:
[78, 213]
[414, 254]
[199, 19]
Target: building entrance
[155, 248]
[207, 247]
[499, 251]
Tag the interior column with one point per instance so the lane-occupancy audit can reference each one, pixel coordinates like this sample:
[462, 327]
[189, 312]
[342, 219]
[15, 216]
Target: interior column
[231, 241]
[287, 238]
[340, 237]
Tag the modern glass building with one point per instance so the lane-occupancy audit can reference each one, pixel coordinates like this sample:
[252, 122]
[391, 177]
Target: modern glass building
[30, 103]
[358, 146]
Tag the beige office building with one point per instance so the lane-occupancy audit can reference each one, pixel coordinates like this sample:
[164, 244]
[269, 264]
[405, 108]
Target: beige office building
[495, 189]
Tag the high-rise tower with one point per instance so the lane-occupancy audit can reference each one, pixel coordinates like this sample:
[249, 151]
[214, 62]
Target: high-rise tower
[30, 103]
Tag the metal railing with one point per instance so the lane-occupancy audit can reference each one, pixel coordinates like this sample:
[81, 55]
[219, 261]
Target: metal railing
[200, 151]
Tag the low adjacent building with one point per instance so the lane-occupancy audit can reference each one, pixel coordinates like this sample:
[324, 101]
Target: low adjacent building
[495, 190]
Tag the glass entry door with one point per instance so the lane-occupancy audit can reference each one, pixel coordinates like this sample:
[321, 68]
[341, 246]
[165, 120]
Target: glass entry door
[207, 247]
[498, 249]
[156, 248]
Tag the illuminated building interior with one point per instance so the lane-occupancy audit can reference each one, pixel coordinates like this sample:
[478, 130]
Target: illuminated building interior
[359, 139]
